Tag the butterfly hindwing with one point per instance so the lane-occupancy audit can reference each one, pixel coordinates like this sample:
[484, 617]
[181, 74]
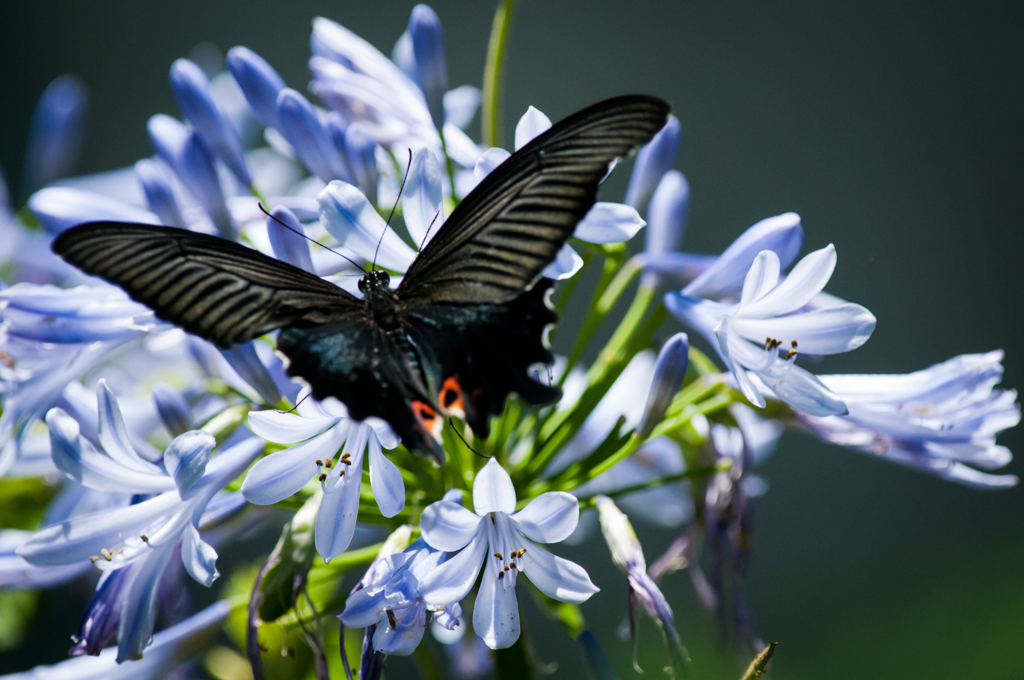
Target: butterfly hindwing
[214, 288]
[511, 226]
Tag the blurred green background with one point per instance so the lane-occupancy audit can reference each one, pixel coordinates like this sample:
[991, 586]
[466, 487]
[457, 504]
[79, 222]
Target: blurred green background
[894, 129]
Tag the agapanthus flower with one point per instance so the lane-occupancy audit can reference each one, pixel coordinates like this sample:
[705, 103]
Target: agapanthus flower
[504, 542]
[57, 133]
[147, 531]
[769, 320]
[319, 430]
[942, 420]
[170, 648]
[391, 600]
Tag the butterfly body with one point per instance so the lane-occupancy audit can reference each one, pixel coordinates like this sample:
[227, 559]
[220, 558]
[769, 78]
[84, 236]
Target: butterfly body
[455, 338]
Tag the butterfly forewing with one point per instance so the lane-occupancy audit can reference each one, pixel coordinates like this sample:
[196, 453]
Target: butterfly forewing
[499, 239]
[214, 288]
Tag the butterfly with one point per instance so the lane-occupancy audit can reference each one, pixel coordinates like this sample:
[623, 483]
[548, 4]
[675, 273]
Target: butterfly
[456, 336]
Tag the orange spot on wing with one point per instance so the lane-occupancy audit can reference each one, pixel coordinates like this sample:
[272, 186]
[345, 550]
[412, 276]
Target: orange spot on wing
[428, 418]
[450, 398]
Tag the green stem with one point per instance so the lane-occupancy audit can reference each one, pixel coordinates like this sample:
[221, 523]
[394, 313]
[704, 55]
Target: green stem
[494, 72]
[260, 197]
[595, 312]
[449, 166]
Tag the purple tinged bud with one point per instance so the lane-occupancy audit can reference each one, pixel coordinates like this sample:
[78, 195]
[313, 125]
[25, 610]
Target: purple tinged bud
[300, 124]
[56, 134]
[431, 70]
[337, 126]
[98, 626]
[180, 147]
[288, 245]
[192, 91]
[361, 151]
[597, 663]
[174, 411]
[156, 186]
[669, 371]
[652, 162]
[259, 82]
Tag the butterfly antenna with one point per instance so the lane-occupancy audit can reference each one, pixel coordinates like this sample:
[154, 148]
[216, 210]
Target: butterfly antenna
[393, 208]
[292, 409]
[452, 423]
[436, 215]
[311, 240]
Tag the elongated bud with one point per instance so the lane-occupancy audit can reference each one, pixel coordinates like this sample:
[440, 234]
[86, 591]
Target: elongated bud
[174, 411]
[300, 124]
[180, 147]
[652, 162]
[156, 187]
[56, 133]
[259, 83]
[431, 69]
[620, 537]
[669, 371]
[58, 208]
[192, 92]
[361, 152]
[288, 244]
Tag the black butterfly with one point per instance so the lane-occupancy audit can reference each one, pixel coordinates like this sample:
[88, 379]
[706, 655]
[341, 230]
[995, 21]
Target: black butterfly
[459, 332]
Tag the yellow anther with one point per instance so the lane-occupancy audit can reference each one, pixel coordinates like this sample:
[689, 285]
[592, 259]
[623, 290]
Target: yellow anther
[790, 354]
[94, 558]
[106, 554]
[323, 477]
[498, 555]
[145, 538]
[319, 463]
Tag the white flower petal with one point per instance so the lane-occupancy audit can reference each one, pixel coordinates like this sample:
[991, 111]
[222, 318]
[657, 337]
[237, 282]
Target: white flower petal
[566, 263]
[186, 458]
[532, 123]
[385, 435]
[555, 576]
[138, 608]
[609, 223]
[78, 458]
[199, 557]
[448, 526]
[349, 217]
[78, 539]
[493, 490]
[339, 509]
[806, 280]
[283, 473]
[460, 105]
[59, 208]
[548, 518]
[421, 198]
[824, 331]
[762, 277]
[496, 612]
[488, 161]
[287, 428]
[385, 480]
[114, 437]
[453, 579]
[801, 390]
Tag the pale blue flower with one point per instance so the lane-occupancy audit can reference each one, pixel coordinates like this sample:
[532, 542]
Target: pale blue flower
[56, 134]
[942, 420]
[192, 91]
[288, 243]
[391, 600]
[503, 539]
[319, 430]
[144, 534]
[667, 218]
[356, 80]
[170, 648]
[59, 208]
[174, 410]
[767, 320]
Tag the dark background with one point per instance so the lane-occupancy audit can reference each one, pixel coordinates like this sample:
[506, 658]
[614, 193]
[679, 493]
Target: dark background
[894, 129]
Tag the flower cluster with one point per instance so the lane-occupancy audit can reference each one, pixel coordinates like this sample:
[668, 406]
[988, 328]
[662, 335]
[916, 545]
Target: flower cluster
[157, 445]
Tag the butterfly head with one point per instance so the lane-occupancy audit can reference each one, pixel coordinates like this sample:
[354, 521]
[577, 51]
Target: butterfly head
[374, 280]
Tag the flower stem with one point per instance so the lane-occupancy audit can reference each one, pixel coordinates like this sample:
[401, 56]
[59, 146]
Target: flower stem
[494, 71]
[596, 311]
[449, 166]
